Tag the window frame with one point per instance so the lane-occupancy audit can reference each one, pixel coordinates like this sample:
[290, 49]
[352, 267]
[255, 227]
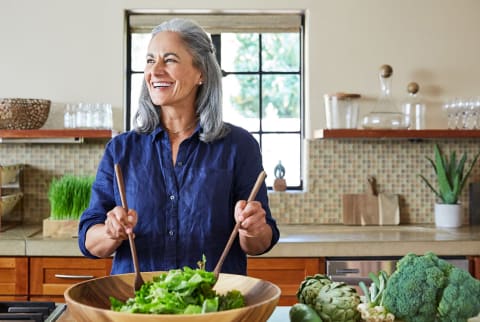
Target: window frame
[215, 39]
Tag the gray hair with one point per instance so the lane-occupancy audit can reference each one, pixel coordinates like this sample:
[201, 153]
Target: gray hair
[209, 95]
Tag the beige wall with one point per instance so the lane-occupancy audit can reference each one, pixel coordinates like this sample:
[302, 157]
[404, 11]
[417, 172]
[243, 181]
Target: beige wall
[71, 51]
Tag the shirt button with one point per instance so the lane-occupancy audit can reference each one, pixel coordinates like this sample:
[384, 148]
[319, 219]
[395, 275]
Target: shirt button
[179, 163]
[171, 233]
[172, 197]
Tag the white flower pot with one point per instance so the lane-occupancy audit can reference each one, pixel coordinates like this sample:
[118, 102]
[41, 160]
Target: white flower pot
[448, 216]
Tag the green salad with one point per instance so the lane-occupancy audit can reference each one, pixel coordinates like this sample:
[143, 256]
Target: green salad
[180, 291]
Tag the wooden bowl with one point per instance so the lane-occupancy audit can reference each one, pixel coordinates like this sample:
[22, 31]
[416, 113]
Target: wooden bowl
[89, 301]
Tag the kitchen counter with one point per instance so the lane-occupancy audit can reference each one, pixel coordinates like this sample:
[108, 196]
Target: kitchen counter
[342, 240]
[295, 241]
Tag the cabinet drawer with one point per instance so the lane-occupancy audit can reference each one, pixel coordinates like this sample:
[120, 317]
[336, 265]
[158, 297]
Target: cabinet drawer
[286, 273]
[13, 281]
[51, 276]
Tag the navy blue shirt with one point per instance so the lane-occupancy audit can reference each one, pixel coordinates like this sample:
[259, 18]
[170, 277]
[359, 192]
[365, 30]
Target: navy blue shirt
[184, 210]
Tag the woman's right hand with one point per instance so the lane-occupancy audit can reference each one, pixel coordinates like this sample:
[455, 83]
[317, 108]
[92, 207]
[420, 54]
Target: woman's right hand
[119, 223]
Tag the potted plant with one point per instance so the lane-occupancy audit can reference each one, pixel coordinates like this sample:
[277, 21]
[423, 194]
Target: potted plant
[451, 178]
[69, 196]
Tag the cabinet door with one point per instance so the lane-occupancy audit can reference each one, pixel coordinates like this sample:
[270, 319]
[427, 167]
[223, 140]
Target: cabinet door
[475, 266]
[51, 276]
[13, 278]
[286, 273]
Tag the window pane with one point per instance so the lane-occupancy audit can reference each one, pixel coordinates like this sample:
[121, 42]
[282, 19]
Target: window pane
[281, 52]
[139, 51]
[240, 52]
[281, 102]
[286, 149]
[241, 101]
[137, 80]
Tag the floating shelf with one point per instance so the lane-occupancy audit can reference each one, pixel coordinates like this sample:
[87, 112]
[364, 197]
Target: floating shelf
[394, 134]
[53, 135]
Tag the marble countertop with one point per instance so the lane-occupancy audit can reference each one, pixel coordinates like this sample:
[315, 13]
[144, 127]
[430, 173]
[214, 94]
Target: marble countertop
[295, 241]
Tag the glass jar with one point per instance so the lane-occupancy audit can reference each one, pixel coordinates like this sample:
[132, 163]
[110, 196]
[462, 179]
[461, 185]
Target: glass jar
[385, 114]
[341, 110]
[413, 108]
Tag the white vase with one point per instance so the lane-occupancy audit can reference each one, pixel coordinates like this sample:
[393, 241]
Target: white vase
[448, 216]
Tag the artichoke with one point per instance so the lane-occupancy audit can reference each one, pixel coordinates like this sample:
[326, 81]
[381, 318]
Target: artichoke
[311, 286]
[333, 301]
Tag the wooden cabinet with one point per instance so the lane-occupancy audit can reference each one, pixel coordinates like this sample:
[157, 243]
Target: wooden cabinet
[474, 262]
[286, 273]
[51, 276]
[13, 281]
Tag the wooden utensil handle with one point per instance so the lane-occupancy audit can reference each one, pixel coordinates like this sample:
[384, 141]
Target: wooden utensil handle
[233, 235]
[121, 188]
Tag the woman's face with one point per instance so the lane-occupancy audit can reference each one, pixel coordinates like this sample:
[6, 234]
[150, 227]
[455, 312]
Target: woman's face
[171, 78]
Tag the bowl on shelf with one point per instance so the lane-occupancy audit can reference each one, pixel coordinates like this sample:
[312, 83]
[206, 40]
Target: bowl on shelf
[23, 113]
[89, 300]
[9, 173]
[8, 202]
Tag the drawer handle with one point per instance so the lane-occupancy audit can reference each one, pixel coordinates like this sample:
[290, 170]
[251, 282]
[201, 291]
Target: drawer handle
[72, 277]
[345, 271]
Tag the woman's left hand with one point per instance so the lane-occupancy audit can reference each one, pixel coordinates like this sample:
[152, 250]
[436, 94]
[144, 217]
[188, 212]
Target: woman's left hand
[251, 215]
[255, 233]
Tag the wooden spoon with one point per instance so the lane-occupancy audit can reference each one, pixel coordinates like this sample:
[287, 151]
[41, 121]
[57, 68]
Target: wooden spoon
[121, 187]
[233, 235]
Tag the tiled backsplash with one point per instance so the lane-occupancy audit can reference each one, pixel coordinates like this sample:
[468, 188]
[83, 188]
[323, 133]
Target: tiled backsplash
[334, 167]
[339, 166]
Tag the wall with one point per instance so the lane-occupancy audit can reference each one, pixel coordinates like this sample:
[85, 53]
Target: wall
[70, 51]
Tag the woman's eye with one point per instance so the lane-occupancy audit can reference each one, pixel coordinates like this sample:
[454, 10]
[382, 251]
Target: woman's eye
[150, 61]
[170, 60]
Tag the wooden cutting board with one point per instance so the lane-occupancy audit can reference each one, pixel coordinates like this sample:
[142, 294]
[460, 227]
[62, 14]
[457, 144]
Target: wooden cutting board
[388, 209]
[371, 208]
[360, 209]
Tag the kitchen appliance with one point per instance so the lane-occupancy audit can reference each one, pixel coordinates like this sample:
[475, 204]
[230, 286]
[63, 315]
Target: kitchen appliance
[474, 203]
[352, 270]
[30, 311]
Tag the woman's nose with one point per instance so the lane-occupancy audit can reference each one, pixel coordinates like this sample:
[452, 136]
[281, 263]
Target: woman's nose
[158, 67]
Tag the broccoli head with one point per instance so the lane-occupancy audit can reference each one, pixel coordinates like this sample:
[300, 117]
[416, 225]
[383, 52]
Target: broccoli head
[461, 298]
[415, 287]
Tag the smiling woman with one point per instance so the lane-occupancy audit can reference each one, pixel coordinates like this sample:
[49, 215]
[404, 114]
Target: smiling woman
[261, 60]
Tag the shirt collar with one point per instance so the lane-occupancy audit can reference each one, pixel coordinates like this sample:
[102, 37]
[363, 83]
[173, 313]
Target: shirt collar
[159, 130]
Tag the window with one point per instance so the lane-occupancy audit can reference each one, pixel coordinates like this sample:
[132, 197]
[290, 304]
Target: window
[262, 60]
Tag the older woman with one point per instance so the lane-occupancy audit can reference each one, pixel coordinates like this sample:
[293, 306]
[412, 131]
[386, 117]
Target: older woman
[187, 173]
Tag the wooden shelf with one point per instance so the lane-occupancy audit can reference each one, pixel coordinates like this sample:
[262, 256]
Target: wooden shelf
[394, 134]
[57, 133]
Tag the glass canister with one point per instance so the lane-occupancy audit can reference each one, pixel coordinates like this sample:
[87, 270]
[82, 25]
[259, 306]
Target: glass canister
[385, 114]
[341, 110]
[413, 108]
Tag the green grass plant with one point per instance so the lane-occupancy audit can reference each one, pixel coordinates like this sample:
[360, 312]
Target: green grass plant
[69, 196]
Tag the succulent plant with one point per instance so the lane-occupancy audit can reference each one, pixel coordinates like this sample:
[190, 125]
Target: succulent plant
[451, 175]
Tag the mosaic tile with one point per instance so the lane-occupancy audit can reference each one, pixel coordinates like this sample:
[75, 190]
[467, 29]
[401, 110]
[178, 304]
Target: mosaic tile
[334, 167]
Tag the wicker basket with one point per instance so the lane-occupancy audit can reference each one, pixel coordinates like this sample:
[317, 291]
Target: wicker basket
[23, 113]
[8, 202]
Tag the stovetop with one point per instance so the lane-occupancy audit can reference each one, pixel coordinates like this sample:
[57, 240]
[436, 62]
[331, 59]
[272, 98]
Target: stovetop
[30, 311]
